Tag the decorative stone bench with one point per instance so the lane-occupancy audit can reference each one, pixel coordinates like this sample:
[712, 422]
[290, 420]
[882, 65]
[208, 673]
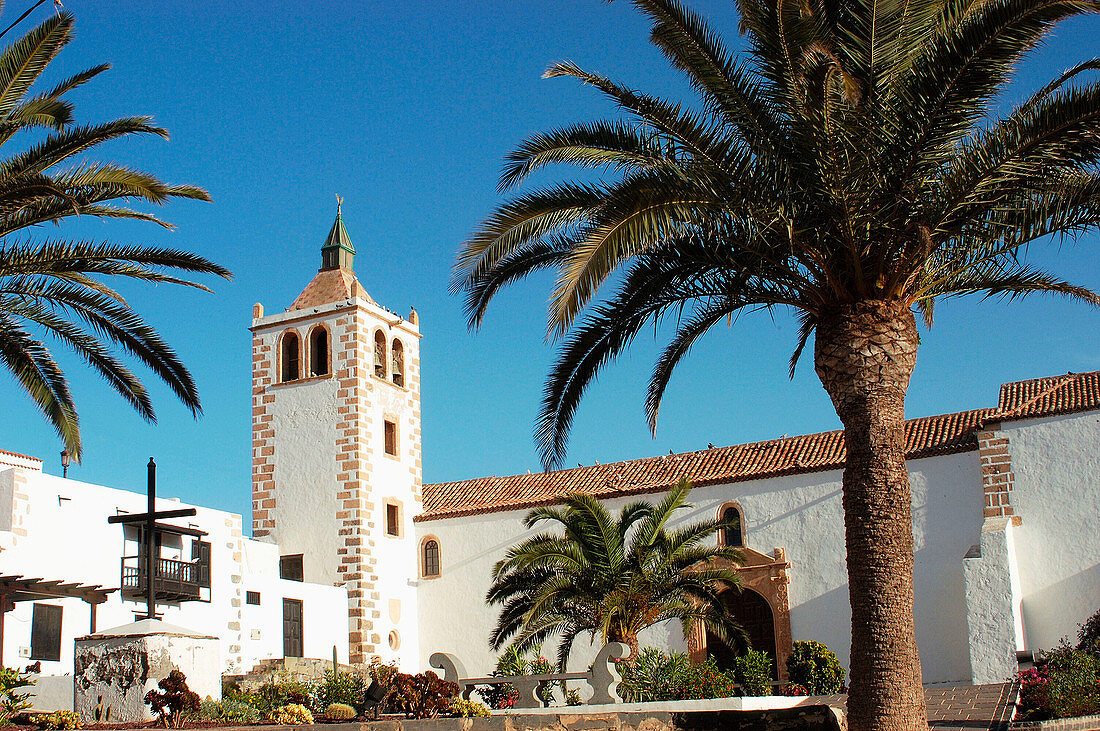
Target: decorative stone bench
[603, 677]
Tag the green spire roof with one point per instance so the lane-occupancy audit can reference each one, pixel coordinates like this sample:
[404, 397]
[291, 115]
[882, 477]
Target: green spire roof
[337, 250]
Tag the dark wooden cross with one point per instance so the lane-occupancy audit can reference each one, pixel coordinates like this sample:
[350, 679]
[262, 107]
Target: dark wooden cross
[149, 518]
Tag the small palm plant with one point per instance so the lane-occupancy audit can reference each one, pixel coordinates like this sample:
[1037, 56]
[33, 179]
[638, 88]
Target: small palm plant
[58, 286]
[610, 578]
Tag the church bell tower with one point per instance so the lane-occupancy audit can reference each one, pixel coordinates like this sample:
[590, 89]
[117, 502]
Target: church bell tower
[336, 476]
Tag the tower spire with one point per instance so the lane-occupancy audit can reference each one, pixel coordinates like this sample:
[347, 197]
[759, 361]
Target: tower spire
[337, 251]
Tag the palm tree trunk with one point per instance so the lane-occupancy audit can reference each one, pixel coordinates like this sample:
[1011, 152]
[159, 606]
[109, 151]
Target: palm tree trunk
[864, 355]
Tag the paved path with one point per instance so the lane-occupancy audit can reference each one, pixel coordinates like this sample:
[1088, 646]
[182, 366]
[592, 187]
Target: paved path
[962, 707]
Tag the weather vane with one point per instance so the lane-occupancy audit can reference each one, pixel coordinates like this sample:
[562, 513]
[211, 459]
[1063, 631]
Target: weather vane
[339, 202]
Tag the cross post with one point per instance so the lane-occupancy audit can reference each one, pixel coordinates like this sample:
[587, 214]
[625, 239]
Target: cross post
[149, 520]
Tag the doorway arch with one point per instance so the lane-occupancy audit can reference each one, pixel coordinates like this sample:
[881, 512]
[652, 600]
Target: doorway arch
[754, 614]
[763, 577]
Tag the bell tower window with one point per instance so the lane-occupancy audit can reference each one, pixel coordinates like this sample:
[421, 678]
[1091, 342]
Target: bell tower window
[290, 357]
[397, 368]
[380, 354]
[318, 352]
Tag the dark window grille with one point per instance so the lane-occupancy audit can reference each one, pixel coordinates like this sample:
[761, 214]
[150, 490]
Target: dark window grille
[431, 558]
[46, 632]
[290, 567]
[252, 597]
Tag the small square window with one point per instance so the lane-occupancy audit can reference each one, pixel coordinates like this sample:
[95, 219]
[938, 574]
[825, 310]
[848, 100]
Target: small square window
[393, 519]
[391, 437]
[252, 597]
[290, 567]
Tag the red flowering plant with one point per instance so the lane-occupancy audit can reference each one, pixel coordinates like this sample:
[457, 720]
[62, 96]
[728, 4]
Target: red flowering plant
[1064, 683]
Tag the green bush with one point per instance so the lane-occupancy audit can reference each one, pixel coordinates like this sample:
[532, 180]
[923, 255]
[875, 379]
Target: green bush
[283, 692]
[233, 711]
[343, 688]
[340, 712]
[1073, 682]
[1088, 637]
[655, 676]
[816, 668]
[469, 709]
[754, 672]
[292, 714]
[12, 701]
[513, 662]
[58, 720]
[1064, 683]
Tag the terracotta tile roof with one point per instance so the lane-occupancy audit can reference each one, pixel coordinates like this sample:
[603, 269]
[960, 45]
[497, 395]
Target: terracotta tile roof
[330, 285]
[1048, 396]
[925, 437]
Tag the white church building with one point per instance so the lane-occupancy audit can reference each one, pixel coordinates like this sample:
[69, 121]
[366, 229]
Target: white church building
[349, 549]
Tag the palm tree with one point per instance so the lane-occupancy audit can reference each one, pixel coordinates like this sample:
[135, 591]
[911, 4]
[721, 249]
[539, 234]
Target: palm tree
[57, 286]
[850, 167]
[613, 577]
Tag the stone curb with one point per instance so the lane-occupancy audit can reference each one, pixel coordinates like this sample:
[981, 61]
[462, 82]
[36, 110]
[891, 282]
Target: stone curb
[1080, 723]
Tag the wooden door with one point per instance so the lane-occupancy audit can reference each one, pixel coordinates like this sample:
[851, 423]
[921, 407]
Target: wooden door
[292, 628]
[754, 614]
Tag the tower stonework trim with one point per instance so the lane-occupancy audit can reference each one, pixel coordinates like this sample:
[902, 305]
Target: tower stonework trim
[356, 511]
[263, 436]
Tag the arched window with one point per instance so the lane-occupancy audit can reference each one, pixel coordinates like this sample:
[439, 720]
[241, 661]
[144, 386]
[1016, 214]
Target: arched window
[290, 357]
[733, 533]
[430, 558]
[380, 354]
[318, 352]
[397, 367]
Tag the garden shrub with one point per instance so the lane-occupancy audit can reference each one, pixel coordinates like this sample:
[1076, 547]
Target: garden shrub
[815, 667]
[12, 701]
[424, 695]
[344, 688]
[469, 709]
[655, 676]
[292, 714]
[1064, 683]
[515, 663]
[58, 720]
[1088, 637]
[340, 712]
[284, 692]
[228, 710]
[174, 702]
[754, 672]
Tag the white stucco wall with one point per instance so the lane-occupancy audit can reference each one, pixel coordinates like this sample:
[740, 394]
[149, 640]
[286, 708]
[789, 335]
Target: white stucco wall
[800, 513]
[68, 538]
[1056, 465]
[993, 599]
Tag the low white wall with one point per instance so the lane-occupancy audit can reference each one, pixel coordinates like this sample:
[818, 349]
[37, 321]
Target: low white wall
[994, 624]
[801, 513]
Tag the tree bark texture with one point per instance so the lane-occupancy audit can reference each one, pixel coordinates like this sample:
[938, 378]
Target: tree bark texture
[864, 354]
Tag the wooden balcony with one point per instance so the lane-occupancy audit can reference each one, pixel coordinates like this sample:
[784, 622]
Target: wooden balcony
[174, 581]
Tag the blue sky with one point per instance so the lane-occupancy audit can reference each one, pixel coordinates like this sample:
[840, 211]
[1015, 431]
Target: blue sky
[406, 110]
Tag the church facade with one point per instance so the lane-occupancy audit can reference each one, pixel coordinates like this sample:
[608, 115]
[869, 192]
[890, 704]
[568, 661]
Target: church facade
[364, 557]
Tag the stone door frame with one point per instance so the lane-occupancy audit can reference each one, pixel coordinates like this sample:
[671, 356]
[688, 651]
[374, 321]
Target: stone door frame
[767, 576]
